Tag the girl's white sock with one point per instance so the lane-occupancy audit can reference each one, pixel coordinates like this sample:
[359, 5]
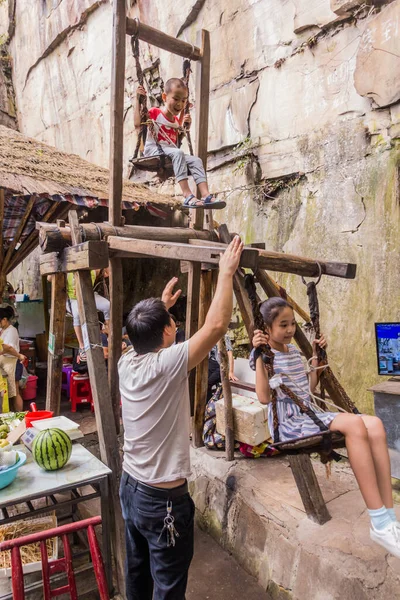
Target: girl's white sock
[392, 514]
[380, 518]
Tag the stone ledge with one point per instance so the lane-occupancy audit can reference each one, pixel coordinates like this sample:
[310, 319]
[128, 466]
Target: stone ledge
[253, 509]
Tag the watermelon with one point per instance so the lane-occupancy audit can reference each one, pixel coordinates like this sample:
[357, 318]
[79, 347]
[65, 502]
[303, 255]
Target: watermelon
[51, 449]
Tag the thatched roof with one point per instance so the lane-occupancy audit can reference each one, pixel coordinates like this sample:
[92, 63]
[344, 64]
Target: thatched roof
[31, 167]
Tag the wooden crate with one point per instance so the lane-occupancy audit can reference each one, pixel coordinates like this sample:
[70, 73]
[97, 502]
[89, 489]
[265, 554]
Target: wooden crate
[250, 419]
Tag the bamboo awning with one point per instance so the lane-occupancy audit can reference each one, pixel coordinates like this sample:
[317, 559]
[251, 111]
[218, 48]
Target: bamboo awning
[40, 183]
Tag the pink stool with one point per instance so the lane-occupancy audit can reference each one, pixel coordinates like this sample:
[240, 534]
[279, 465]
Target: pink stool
[66, 379]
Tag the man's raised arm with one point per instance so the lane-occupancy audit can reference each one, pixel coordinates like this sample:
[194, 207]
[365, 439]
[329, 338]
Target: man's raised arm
[220, 312]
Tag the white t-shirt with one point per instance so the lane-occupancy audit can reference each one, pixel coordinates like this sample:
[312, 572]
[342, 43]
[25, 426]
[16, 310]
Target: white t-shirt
[156, 414]
[10, 336]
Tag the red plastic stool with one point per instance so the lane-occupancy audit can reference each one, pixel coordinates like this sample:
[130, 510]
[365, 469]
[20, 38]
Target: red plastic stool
[80, 391]
[59, 565]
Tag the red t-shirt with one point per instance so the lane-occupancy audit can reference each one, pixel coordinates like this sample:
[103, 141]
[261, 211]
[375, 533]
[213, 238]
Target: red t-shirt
[166, 130]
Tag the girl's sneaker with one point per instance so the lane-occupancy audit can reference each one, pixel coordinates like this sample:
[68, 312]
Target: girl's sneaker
[388, 538]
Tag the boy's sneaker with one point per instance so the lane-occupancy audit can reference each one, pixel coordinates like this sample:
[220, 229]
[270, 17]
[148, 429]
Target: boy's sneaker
[388, 538]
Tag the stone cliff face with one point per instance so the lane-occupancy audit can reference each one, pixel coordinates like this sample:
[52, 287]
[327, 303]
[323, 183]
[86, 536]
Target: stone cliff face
[304, 130]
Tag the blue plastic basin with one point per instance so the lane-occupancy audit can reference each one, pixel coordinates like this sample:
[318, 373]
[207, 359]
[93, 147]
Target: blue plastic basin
[8, 476]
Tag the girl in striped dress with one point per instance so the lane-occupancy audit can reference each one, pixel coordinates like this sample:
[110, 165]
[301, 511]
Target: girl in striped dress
[364, 434]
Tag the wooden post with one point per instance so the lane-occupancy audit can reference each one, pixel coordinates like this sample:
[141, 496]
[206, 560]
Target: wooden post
[202, 113]
[227, 393]
[108, 441]
[115, 199]
[308, 487]
[239, 289]
[56, 341]
[3, 278]
[202, 370]
[192, 319]
[46, 313]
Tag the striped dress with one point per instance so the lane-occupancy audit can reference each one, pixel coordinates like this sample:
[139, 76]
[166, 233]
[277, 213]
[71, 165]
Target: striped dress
[292, 423]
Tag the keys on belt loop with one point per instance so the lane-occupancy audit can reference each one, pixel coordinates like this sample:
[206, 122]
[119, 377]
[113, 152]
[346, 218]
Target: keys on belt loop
[169, 527]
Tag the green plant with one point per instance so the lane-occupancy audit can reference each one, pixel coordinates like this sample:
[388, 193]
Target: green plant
[242, 151]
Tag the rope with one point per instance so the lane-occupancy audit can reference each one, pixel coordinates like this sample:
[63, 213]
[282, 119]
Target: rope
[313, 304]
[186, 76]
[145, 122]
[268, 359]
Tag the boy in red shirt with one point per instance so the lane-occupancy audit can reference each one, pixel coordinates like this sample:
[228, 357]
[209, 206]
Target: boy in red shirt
[168, 122]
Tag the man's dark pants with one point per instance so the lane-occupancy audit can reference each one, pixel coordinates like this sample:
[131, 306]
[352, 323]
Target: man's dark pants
[151, 566]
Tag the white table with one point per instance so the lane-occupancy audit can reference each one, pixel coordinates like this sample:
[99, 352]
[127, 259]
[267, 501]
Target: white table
[82, 470]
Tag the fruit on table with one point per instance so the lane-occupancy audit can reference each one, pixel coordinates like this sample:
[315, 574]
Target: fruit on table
[51, 449]
[3, 435]
[5, 428]
[4, 443]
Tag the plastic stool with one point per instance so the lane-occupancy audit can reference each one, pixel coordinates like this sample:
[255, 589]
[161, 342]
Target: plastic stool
[80, 391]
[66, 378]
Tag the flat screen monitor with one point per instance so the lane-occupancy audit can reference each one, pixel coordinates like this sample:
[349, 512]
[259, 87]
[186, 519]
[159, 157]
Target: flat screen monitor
[387, 337]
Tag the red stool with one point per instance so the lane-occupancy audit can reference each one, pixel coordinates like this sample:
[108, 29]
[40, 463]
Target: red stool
[80, 391]
[59, 565]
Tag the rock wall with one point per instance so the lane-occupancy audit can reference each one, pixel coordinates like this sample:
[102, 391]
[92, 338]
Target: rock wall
[303, 138]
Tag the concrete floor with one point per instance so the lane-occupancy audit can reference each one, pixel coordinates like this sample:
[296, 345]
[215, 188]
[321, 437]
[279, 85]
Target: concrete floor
[214, 574]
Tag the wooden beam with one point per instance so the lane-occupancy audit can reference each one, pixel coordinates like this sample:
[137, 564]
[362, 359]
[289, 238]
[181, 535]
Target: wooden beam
[154, 248]
[192, 319]
[19, 231]
[308, 487]
[54, 239]
[30, 243]
[200, 397]
[3, 278]
[56, 341]
[227, 393]
[108, 441]
[271, 288]
[89, 255]
[161, 40]
[289, 263]
[202, 113]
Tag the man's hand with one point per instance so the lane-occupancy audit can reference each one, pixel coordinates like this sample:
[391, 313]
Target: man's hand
[168, 296]
[140, 92]
[230, 259]
[22, 358]
[232, 377]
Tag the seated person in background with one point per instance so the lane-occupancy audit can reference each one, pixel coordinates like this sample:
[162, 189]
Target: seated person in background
[10, 355]
[102, 304]
[214, 366]
[167, 124]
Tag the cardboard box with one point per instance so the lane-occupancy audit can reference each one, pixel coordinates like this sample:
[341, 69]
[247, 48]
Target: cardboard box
[250, 420]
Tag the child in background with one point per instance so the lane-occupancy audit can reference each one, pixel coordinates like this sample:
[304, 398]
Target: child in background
[365, 435]
[168, 123]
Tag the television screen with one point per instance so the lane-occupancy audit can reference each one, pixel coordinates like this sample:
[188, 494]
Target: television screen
[388, 348]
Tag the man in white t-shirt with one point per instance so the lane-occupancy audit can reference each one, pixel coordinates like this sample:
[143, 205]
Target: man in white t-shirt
[153, 375]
